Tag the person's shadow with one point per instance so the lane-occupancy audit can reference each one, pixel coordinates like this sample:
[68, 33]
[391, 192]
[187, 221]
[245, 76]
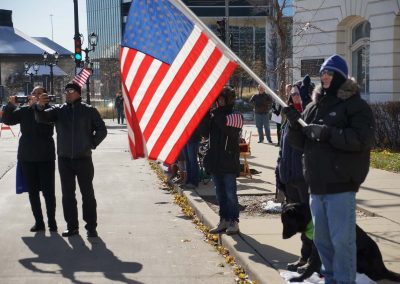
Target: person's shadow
[74, 256]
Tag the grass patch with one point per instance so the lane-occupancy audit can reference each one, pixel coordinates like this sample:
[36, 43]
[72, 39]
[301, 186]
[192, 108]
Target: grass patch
[386, 160]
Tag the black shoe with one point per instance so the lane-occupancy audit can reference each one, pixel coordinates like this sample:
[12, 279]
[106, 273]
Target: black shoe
[260, 141]
[69, 233]
[92, 233]
[37, 228]
[270, 141]
[53, 226]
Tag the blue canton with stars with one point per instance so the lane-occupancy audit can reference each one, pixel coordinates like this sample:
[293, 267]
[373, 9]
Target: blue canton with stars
[156, 28]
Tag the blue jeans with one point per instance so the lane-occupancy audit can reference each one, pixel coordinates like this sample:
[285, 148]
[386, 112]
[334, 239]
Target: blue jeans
[225, 187]
[334, 220]
[262, 120]
[192, 166]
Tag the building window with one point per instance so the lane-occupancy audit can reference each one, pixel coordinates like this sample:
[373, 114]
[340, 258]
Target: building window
[360, 56]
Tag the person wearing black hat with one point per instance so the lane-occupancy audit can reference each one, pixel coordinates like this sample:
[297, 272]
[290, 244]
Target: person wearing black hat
[36, 156]
[222, 159]
[336, 145]
[80, 130]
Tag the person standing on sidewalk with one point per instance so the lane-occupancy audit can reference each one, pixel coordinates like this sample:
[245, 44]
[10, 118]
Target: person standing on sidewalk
[36, 155]
[336, 144]
[119, 107]
[80, 129]
[290, 174]
[222, 159]
[262, 107]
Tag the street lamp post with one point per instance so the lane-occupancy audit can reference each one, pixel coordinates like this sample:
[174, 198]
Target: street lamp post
[51, 65]
[35, 68]
[88, 64]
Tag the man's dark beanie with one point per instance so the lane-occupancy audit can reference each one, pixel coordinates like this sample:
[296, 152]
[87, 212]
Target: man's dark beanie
[74, 86]
[337, 64]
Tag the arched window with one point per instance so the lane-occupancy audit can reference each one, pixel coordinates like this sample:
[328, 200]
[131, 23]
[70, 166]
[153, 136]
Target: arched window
[360, 55]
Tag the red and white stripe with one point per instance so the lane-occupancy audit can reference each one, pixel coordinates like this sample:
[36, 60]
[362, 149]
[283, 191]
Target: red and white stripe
[169, 101]
[82, 77]
[234, 120]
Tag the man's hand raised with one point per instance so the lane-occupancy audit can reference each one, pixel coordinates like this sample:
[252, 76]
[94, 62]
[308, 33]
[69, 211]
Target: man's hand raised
[43, 99]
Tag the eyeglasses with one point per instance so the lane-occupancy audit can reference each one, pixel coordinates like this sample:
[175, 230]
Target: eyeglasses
[327, 72]
[69, 91]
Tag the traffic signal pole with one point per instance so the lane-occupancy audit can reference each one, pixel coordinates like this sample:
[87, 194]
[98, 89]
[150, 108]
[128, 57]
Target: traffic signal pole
[227, 34]
[77, 37]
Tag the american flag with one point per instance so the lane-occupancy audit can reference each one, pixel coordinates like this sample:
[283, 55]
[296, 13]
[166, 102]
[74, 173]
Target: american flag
[172, 72]
[234, 120]
[82, 77]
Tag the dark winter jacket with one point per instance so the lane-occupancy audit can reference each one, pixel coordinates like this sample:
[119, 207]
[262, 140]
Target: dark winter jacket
[262, 103]
[290, 167]
[223, 154]
[340, 164]
[36, 143]
[79, 128]
[306, 88]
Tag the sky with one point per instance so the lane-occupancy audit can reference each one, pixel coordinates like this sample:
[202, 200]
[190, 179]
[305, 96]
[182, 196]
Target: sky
[32, 17]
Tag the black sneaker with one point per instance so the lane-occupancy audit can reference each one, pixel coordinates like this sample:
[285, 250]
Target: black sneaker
[92, 233]
[37, 228]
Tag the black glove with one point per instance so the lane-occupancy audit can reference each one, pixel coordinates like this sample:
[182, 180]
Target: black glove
[291, 114]
[317, 132]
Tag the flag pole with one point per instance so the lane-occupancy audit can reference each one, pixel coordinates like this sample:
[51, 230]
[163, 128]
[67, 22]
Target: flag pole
[226, 50]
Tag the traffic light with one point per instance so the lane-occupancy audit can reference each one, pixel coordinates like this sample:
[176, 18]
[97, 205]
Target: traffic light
[221, 25]
[78, 51]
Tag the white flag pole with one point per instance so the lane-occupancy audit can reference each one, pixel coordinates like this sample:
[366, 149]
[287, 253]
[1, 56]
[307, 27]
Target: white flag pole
[226, 50]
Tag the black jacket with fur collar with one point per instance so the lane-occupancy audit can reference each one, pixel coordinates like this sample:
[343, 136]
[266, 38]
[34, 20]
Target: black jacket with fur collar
[340, 164]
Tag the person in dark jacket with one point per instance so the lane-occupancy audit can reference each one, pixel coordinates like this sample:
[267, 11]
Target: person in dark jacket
[336, 145]
[222, 160]
[80, 129]
[262, 107]
[119, 107]
[306, 89]
[36, 155]
[290, 175]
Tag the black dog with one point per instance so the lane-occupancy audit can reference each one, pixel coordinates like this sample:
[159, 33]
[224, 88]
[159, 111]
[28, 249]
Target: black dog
[296, 216]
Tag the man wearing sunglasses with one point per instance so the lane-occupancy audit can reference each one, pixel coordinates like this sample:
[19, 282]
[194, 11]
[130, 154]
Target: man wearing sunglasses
[336, 145]
[80, 129]
[36, 157]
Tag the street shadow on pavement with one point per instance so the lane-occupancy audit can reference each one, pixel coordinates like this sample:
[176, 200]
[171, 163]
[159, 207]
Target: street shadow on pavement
[264, 253]
[72, 255]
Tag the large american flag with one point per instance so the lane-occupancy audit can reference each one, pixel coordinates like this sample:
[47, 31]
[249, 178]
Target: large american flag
[172, 72]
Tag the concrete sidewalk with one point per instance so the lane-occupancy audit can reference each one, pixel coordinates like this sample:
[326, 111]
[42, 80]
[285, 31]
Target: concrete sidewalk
[260, 248]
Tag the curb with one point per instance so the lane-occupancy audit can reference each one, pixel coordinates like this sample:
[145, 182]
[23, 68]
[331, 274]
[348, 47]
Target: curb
[257, 268]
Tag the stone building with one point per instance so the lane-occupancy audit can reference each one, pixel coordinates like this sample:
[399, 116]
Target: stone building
[17, 48]
[365, 32]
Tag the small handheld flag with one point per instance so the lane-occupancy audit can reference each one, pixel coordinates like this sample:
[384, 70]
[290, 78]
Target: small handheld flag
[234, 120]
[81, 78]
